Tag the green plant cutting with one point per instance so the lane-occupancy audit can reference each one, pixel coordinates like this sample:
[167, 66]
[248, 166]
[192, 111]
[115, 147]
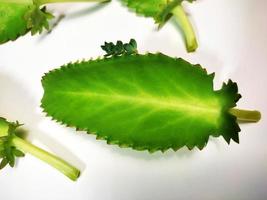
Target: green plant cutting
[13, 146]
[146, 102]
[162, 11]
[18, 17]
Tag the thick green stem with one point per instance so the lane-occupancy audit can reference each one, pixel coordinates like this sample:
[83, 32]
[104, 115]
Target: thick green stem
[246, 115]
[47, 157]
[186, 27]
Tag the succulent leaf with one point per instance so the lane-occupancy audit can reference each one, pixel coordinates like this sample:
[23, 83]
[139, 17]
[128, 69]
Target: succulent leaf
[8, 153]
[119, 48]
[162, 11]
[147, 102]
[12, 146]
[17, 19]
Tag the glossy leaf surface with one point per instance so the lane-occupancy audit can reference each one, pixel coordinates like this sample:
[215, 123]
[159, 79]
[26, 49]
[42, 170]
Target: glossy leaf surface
[147, 102]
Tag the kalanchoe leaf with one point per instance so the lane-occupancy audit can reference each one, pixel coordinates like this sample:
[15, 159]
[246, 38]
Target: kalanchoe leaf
[162, 11]
[19, 17]
[162, 17]
[37, 19]
[3, 163]
[11, 160]
[133, 44]
[12, 146]
[3, 129]
[131, 48]
[12, 21]
[120, 48]
[2, 154]
[8, 152]
[18, 153]
[146, 102]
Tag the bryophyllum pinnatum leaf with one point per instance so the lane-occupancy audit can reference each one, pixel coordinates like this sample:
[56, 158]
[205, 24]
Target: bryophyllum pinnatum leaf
[18, 17]
[154, 8]
[161, 11]
[147, 102]
[13, 146]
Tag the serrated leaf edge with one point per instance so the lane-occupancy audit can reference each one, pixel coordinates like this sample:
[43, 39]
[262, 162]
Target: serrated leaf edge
[111, 141]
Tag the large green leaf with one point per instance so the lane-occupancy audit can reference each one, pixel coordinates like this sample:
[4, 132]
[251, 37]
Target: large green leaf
[147, 102]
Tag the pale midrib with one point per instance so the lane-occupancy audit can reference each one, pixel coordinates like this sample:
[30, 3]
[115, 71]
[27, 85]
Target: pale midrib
[163, 103]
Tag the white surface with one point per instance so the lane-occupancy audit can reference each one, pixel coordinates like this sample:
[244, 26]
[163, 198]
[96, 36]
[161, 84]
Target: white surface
[233, 43]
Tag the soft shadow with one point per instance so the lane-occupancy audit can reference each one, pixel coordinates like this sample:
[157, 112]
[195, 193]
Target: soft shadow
[22, 133]
[129, 152]
[145, 155]
[86, 11]
[17, 104]
[77, 14]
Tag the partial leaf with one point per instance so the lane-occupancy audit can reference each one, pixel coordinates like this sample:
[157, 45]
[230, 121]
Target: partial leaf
[4, 126]
[3, 163]
[11, 160]
[147, 102]
[2, 153]
[11, 146]
[18, 153]
[162, 11]
[120, 48]
[17, 19]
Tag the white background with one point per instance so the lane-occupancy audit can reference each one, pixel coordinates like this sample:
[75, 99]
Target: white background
[233, 43]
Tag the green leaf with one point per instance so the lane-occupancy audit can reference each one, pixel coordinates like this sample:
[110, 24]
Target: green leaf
[17, 19]
[4, 126]
[12, 22]
[119, 48]
[11, 160]
[18, 153]
[11, 146]
[37, 19]
[162, 11]
[148, 8]
[147, 102]
[2, 153]
[2, 148]
[3, 163]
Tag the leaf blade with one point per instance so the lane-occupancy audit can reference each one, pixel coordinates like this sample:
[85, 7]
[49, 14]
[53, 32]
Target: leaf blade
[17, 19]
[151, 102]
[12, 22]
